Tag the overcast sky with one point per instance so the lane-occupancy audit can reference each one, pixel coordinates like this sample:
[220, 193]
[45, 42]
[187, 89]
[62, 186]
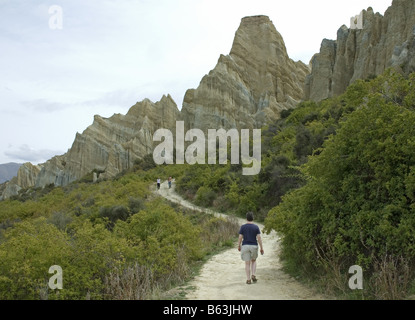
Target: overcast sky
[109, 54]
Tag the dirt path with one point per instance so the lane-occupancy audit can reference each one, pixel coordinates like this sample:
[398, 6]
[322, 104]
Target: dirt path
[223, 276]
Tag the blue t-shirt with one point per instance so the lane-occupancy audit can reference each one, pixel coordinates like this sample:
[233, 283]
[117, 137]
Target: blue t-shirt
[249, 232]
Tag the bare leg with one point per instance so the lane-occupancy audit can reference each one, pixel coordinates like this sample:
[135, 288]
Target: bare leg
[253, 267]
[248, 269]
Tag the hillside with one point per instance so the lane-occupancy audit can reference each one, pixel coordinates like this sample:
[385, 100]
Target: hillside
[246, 89]
[337, 179]
[114, 240]
[336, 185]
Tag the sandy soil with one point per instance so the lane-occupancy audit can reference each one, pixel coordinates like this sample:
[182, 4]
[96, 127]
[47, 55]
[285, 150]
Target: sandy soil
[223, 276]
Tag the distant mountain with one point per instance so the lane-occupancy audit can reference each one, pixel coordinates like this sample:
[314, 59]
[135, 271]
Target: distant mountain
[8, 171]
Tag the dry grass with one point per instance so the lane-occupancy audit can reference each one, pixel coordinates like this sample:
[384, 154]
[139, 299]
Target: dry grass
[220, 231]
[132, 283]
[391, 279]
[137, 282]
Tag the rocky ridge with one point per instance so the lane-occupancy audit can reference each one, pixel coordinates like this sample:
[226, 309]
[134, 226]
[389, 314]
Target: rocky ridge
[107, 147]
[248, 88]
[383, 42]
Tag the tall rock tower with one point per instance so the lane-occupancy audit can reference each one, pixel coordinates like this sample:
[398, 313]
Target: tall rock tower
[249, 87]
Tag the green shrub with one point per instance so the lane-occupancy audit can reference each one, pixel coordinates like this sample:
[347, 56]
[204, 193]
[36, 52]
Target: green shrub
[135, 204]
[163, 236]
[114, 213]
[60, 219]
[205, 197]
[357, 206]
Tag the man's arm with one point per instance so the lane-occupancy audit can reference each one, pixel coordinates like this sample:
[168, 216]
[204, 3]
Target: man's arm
[260, 243]
[240, 242]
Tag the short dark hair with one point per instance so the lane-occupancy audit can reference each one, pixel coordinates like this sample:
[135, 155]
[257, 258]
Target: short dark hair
[250, 216]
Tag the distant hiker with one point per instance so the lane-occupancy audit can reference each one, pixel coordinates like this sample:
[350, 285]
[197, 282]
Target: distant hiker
[249, 237]
[170, 182]
[158, 184]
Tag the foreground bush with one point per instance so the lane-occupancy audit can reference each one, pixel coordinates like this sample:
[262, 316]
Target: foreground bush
[357, 207]
[143, 253]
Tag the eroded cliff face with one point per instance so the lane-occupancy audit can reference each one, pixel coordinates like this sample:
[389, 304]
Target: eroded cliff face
[26, 177]
[249, 87]
[108, 146]
[385, 41]
[111, 145]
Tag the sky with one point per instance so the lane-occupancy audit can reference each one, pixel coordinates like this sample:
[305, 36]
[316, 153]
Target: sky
[62, 62]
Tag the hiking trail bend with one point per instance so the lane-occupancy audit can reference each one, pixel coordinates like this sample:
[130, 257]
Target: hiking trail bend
[223, 276]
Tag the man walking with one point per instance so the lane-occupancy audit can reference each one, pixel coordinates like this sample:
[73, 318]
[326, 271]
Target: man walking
[249, 237]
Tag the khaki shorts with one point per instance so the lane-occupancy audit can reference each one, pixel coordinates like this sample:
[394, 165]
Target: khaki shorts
[249, 252]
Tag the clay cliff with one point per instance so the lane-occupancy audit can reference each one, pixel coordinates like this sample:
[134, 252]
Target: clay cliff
[108, 146]
[111, 145]
[383, 42]
[249, 87]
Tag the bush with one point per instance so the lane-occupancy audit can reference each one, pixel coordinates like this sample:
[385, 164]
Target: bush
[357, 205]
[113, 214]
[32, 247]
[60, 220]
[146, 163]
[135, 205]
[165, 238]
[132, 282]
[205, 197]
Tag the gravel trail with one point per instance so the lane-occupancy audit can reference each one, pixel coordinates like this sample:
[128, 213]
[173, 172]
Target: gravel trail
[223, 276]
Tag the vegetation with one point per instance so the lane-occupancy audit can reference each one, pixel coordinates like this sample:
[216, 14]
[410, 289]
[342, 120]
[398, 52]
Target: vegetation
[286, 145]
[357, 207]
[113, 240]
[337, 183]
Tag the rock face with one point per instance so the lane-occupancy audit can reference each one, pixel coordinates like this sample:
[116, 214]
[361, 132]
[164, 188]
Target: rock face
[111, 145]
[385, 41]
[26, 177]
[249, 87]
[108, 146]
